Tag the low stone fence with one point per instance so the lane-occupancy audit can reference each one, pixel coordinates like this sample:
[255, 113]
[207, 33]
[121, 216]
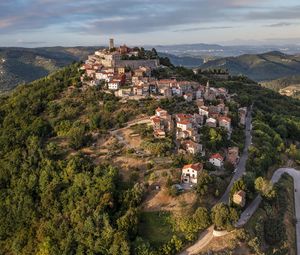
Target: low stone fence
[217, 233]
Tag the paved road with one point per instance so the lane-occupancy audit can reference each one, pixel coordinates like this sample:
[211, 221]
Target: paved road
[241, 167]
[246, 215]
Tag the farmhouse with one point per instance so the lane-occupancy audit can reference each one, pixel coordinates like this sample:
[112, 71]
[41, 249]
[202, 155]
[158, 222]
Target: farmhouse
[190, 173]
[217, 160]
[239, 198]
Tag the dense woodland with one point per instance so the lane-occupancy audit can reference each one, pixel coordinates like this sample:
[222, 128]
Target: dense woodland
[54, 202]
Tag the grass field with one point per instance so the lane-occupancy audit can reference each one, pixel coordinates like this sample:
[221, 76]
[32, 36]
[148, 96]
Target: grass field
[155, 227]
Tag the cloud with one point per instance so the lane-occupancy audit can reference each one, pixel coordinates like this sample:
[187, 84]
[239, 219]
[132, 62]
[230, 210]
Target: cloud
[279, 13]
[119, 16]
[282, 24]
[21, 41]
[134, 16]
[202, 28]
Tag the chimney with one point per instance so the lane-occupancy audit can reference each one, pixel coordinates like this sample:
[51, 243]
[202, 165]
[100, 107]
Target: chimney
[111, 43]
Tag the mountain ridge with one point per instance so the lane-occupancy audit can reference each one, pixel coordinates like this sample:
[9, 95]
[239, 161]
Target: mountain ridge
[259, 67]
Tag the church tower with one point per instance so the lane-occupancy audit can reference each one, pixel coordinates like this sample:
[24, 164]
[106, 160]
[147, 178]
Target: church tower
[207, 92]
[111, 43]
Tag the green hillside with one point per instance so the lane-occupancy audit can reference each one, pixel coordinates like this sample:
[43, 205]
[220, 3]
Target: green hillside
[19, 65]
[62, 191]
[259, 67]
[282, 82]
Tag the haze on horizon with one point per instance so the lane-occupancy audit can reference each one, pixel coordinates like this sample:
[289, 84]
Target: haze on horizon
[33, 23]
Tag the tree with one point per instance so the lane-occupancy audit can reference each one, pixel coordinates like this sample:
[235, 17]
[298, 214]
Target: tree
[274, 231]
[265, 188]
[201, 218]
[120, 245]
[203, 183]
[223, 216]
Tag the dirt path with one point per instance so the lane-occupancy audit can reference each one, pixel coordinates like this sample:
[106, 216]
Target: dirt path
[203, 240]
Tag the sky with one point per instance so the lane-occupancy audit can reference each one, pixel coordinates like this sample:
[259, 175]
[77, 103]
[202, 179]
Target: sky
[35, 23]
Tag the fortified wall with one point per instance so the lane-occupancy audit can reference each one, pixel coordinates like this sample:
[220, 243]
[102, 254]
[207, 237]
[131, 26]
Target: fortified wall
[134, 64]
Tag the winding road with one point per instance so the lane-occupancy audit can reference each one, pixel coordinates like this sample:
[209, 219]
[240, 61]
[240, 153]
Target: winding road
[206, 236]
[249, 211]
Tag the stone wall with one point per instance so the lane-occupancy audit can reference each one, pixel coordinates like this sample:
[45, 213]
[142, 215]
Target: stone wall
[134, 64]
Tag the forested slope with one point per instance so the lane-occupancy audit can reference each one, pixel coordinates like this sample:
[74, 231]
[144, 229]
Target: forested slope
[53, 203]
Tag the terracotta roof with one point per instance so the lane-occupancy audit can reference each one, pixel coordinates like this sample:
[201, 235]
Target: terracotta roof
[224, 118]
[190, 143]
[160, 110]
[166, 81]
[217, 156]
[184, 122]
[184, 116]
[155, 119]
[196, 166]
[160, 132]
[241, 193]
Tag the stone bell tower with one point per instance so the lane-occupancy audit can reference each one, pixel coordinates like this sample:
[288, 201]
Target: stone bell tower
[111, 43]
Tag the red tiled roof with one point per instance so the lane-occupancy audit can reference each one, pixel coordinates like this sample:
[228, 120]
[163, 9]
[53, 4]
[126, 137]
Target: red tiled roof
[224, 118]
[241, 193]
[196, 167]
[184, 122]
[217, 156]
[155, 119]
[160, 110]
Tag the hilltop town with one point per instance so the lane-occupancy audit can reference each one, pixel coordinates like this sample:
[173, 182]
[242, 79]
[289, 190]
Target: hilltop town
[128, 74]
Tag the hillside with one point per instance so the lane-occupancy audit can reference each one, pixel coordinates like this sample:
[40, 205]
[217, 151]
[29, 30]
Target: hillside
[74, 182]
[19, 65]
[259, 67]
[282, 82]
[183, 60]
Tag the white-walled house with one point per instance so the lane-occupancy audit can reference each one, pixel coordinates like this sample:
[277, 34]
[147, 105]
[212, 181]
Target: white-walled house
[225, 122]
[203, 110]
[161, 113]
[192, 147]
[114, 85]
[190, 173]
[184, 125]
[211, 122]
[217, 160]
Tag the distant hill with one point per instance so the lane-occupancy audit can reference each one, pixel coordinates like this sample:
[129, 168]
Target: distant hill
[183, 61]
[19, 65]
[259, 67]
[289, 86]
[282, 82]
[203, 50]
